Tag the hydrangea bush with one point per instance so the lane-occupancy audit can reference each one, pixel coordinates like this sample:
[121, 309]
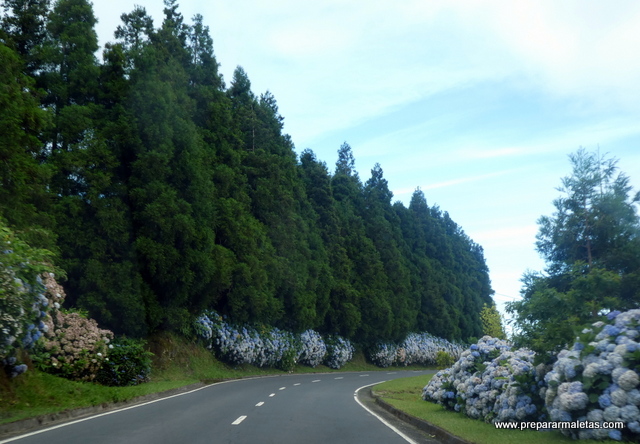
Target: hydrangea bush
[417, 348]
[598, 379]
[73, 345]
[314, 348]
[276, 348]
[423, 348]
[383, 354]
[23, 305]
[339, 352]
[268, 346]
[490, 382]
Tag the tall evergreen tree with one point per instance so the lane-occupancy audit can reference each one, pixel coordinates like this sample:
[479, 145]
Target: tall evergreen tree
[24, 199]
[592, 248]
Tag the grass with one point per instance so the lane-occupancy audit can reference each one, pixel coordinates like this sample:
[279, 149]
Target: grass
[177, 363]
[405, 394]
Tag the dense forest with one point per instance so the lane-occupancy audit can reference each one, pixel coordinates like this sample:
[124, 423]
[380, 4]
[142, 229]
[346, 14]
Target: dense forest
[163, 191]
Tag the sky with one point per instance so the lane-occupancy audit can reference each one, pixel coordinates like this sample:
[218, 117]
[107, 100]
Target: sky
[478, 103]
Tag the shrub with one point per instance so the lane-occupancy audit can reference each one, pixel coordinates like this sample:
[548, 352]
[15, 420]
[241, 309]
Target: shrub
[444, 359]
[23, 304]
[339, 352]
[383, 354]
[269, 346]
[276, 348]
[128, 363]
[73, 346]
[423, 348]
[490, 382]
[598, 379]
[314, 348]
[417, 348]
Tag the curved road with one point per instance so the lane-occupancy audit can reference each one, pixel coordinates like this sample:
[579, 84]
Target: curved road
[309, 408]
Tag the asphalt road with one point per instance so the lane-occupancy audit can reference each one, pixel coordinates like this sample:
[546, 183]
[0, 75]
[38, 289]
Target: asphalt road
[315, 408]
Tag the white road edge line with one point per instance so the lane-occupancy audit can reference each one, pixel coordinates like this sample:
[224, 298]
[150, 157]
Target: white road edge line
[239, 420]
[37, 432]
[260, 404]
[382, 420]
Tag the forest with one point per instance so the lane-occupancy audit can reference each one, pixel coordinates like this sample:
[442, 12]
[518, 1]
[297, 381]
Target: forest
[163, 191]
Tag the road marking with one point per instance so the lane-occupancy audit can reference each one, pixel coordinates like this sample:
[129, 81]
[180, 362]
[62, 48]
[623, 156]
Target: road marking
[391, 373]
[239, 420]
[260, 404]
[282, 388]
[363, 375]
[317, 380]
[355, 396]
[297, 383]
[272, 395]
[339, 377]
[89, 418]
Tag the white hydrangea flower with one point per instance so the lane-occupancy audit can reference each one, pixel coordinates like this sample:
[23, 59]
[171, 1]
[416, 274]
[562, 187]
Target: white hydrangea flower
[628, 380]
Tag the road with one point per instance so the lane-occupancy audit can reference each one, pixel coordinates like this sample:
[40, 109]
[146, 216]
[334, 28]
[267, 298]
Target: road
[301, 408]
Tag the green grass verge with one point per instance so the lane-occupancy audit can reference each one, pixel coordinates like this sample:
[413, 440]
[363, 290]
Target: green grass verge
[176, 363]
[406, 394]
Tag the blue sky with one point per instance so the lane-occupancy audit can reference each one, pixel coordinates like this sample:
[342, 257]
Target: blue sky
[478, 103]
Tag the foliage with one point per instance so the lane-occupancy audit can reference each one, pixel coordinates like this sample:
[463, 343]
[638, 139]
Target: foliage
[417, 348]
[492, 322]
[170, 192]
[23, 303]
[270, 346]
[314, 348]
[383, 354]
[127, 363]
[444, 359]
[490, 382]
[598, 378]
[73, 345]
[592, 248]
[339, 352]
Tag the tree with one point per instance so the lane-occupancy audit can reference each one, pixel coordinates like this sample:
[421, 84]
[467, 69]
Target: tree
[25, 27]
[23, 179]
[492, 324]
[592, 247]
[595, 219]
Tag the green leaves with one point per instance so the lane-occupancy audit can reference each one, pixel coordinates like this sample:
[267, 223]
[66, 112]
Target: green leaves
[591, 248]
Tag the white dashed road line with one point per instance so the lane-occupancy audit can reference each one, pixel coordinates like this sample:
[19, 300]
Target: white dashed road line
[339, 377]
[239, 420]
[317, 380]
[272, 395]
[260, 404]
[363, 375]
[297, 383]
[282, 388]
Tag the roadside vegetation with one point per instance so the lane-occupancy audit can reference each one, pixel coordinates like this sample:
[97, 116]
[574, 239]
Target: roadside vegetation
[176, 363]
[406, 394]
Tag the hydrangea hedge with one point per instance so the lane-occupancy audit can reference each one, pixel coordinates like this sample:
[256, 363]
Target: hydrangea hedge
[339, 352]
[490, 382]
[23, 305]
[597, 380]
[417, 348]
[270, 347]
